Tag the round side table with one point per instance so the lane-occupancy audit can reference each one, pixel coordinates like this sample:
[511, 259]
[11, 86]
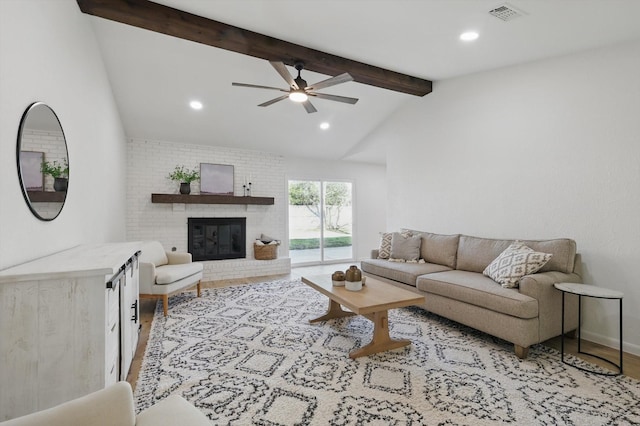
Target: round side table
[599, 293]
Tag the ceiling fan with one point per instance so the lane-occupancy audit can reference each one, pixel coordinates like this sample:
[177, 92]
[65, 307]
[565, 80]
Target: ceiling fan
[298, 89]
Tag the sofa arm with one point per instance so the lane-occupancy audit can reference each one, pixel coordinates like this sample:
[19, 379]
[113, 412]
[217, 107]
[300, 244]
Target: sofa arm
[147, 277]
[112, 405]
[176, 258]
[540, 287]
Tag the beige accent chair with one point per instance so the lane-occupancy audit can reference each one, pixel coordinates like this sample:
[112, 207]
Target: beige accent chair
[163, 273]
[114, 405]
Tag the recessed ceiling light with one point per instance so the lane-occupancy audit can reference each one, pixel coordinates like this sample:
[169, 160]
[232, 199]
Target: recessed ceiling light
[195, 104]
[324, 126]
[469, 36]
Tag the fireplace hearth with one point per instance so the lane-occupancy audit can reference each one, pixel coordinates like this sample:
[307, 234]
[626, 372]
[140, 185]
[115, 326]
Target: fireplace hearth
[217, 238]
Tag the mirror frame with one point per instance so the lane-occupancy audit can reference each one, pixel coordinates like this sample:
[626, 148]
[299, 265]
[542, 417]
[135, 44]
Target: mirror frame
[25, 193]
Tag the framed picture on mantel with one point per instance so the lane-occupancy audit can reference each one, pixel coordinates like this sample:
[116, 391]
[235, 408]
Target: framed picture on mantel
[216, 179]
[30, 166]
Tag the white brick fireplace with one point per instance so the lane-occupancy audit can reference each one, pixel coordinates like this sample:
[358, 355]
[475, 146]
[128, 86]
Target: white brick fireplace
[148, 164]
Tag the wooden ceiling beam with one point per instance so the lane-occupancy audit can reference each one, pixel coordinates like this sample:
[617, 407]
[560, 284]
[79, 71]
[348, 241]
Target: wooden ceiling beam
[166, 20]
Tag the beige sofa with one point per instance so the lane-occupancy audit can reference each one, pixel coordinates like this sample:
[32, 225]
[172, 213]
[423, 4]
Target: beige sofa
[114, 406]
[452, 281]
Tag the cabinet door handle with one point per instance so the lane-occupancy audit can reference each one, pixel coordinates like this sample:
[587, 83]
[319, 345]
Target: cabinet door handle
[134, 306]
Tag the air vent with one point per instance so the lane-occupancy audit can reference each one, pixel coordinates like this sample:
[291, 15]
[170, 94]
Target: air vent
[506, 12]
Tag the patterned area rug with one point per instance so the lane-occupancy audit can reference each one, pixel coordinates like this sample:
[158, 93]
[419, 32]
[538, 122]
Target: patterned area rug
[247, 355]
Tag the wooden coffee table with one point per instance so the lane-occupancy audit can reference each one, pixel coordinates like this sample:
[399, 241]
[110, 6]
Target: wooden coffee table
[372, 302]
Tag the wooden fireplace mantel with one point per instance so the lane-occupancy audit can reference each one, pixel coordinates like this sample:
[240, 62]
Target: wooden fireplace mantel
[47, 196]
[209, 199]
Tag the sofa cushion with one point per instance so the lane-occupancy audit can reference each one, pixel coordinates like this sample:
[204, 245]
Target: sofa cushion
[563, 251]
[477, 289]
[153, 252]
[515, 262]
[168, 274]
[406, 273]
[475, 254]
[405, 247]
[438, 248]
[385, 245]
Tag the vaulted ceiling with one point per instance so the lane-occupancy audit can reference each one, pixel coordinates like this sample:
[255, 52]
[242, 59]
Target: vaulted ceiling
[154, 76]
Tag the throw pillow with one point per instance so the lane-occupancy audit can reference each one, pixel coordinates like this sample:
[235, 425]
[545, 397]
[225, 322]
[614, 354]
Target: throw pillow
[515, 262]
[408, 232]
[385, 245]
[265, 238]
[406, 248]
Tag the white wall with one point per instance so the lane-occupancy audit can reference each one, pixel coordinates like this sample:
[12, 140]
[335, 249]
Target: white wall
[369, 192]
[543, 150]
[49, 53]
[150, 162]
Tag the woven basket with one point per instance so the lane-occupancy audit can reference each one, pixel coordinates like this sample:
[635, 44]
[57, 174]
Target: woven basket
[265, 252]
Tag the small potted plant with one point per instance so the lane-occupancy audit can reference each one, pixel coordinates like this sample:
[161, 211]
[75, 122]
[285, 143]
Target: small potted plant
[184, 176]
[59, 172]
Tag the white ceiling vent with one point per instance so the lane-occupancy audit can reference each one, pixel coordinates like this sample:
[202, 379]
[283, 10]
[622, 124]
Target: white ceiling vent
[506, 12]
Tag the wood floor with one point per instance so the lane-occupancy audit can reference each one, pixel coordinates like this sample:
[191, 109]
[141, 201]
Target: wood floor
[631, 363]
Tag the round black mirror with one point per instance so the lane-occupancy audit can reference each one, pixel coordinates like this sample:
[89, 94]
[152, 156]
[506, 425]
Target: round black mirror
[43, 161]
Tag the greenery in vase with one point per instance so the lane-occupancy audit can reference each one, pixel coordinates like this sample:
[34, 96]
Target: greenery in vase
[55, 169]
[183, 175]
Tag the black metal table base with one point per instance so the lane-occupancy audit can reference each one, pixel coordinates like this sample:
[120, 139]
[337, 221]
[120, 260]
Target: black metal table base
[613, 364]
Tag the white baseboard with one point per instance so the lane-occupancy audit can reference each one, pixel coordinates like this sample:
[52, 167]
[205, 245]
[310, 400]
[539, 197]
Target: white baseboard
[609, 342]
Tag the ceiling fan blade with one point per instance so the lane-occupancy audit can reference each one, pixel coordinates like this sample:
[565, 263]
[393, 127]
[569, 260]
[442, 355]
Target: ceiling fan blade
[309, 107]
[342, 78]
[258, 87]
[284, 73]
[344, 99]
[273, 101]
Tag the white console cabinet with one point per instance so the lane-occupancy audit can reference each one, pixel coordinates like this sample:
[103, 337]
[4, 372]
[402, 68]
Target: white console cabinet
[69, 325]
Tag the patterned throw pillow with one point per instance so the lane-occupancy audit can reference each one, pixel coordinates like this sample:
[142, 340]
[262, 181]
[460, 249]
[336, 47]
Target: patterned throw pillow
[515, 262]
[385, 245]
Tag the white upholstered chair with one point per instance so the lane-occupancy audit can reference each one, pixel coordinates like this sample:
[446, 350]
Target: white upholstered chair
[114, 405]
[163, 273]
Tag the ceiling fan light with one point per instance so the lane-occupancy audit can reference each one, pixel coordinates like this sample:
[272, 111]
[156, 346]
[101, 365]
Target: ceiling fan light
[298, 96]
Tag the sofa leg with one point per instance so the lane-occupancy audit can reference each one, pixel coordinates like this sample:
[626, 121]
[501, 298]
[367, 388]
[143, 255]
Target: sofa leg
[165, 304]
[521, 352]
[571, 334]
[198, 287]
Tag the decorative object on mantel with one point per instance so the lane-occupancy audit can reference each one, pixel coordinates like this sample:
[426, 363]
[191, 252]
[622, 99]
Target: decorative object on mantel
[246, 188]
[216, 179]
[31, 166]
[266, 248]
[59, 172]
[185, 177]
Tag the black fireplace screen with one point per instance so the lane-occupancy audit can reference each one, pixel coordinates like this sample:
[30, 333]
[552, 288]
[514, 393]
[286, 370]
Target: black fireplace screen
[217, 238]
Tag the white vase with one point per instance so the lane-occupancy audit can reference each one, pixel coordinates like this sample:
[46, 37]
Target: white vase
[353, 285]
